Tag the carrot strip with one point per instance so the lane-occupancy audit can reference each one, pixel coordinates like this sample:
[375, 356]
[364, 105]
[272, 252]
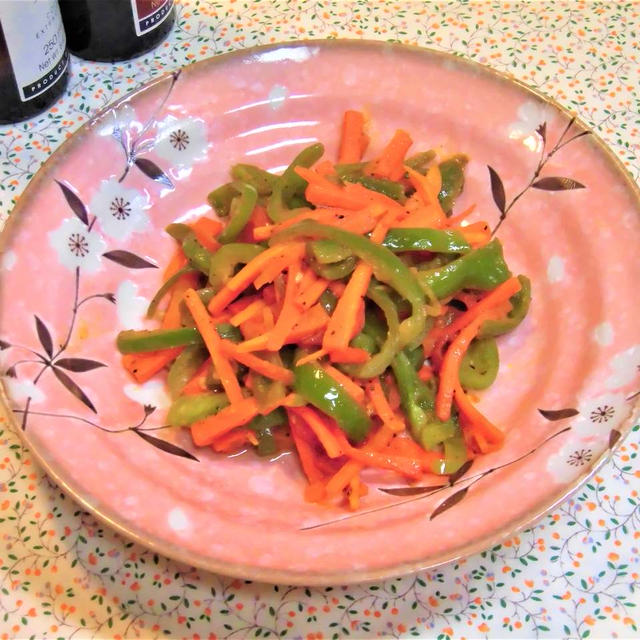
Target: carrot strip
[311, 357]
[312, 293]
[197, 382]
[353, 140]
[500, 294]
[318, 426]
[251, 271]
[476, 234]
[354, 492]
[305, 450]
[205, 431]
[250, 311]
[143, 366]
[390, 163]
[351, 387]
[382, 407]
[290, 400]
[289, 313]
[263, 367]
[178, 260]
[233, 440]
[207, 329]
[427, 188]
[172, 318]
[349, 355]
[451, 366]
[479, 423]
[456, 220]
[206, 230]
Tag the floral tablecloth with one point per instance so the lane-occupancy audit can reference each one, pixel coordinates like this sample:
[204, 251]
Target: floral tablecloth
[575, 574]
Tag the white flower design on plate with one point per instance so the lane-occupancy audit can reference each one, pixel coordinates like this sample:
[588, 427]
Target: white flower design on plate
[119, 210]
[589, 435]
[130, 307]
[530, 116]
[625, 367]
[152, 393]
[20, 390]
[77, 245]
[182, 142]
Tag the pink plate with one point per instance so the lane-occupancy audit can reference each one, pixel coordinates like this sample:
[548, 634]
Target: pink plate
[79, 264]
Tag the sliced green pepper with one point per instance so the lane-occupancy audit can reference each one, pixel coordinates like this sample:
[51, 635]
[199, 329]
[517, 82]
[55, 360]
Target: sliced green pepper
[336, 270]
[145, 340]
[327, 252]
[326, 394]
[262, 181]
[220, 199]
[164, 289]
[178, 230]
[263, 426]
[227, 258]
[519, 307]
[290, 185]
[240, 211]
[483, 268]
[228, 332]
[328, 301]
[198, 256]
[184, 367]
[394, 190]
[376, 365]
[424, 239]
[479, 366]
[419, 161]
[186, 410]
[455, 455]
[452, 173]
[387, 268]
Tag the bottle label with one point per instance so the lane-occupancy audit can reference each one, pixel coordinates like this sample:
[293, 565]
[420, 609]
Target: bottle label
[36, 44]
[149, 14]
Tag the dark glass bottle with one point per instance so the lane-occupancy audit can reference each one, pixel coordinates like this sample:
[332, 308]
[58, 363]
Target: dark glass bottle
[33, 57]
[110, 30]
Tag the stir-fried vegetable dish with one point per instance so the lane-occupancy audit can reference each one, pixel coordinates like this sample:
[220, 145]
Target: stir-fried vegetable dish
[341, 311]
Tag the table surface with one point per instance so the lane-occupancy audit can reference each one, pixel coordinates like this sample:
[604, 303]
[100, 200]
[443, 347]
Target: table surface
[575, 574]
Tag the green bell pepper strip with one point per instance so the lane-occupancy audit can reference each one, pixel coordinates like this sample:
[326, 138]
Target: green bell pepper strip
[141, 341]
[198, 256]
[328, 301]
[241, 209]
[262, 181]
[479, 366]
[418, 402]
[455, 455]
[350, 169]
[483, 268]
[178, 230]
[205, 294]
[424, 239]
[164, 289]
[419, 161]
[326, 394]
[387, 268]
[365, 342]
[290, 185]
[519, 307]
[184, 367]
[327, 252]
[227, 258]
[394, 190]
[228, 332]
[452, 174]
[186, 410]
[220, 199]
[263, 427]
[377, 364]
[335, 271]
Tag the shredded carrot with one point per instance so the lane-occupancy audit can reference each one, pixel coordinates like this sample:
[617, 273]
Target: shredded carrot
[304, 449]
[312, 293]
[382, 407]
[143, 366]
[390, 163]
[206, 230]
[289, 313]
[263, 367]
[448, 375]
[213, 341]
[351, 387]
[477, 234]
[478, 423]
[318, 424]
[311, 357]
[234, 440]
[172, 318]
[250, 272]
[197, 382]
[353, 140]
[206, 431]
[250, 311]
[349, 355]
[354, 493]
[427, 187]
[456, 220]
[178, 260]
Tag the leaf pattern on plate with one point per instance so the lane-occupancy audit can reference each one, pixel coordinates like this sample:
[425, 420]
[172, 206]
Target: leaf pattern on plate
[557, 183]
[165, 446]
[71, 386]
[449, 502]
[4, 345]
[44, 336]
[74, 202]
[79, 364]
[454, 477]
[153, 171]
[558, 414]
[129, 260]
[411, 491]
[497, 189]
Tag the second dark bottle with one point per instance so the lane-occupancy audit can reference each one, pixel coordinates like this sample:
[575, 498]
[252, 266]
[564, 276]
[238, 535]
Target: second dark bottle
[110, 30]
